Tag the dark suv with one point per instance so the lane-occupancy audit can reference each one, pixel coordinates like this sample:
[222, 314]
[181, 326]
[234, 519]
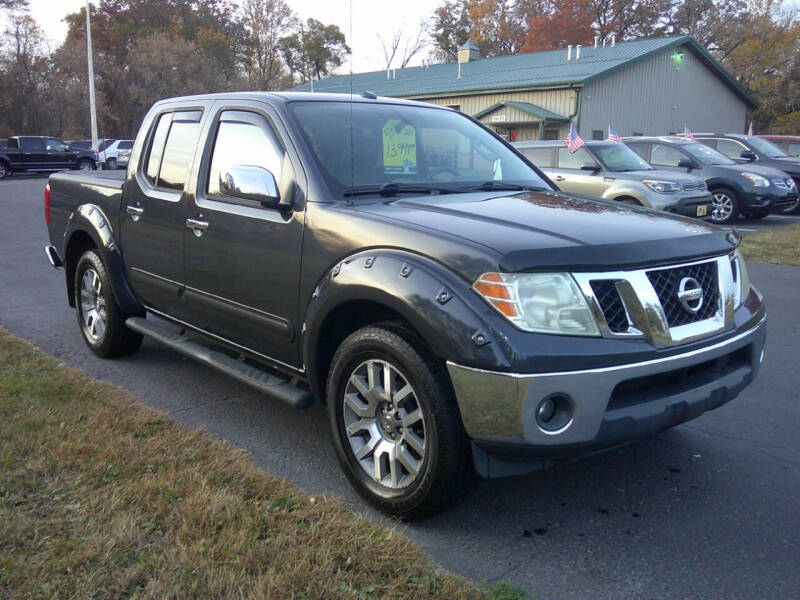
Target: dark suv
[754, 149]
[752, 190]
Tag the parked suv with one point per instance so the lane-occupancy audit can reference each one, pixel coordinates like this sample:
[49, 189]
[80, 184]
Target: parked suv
[751, 190]
[110, 155]
[611, 171]
[752, 149]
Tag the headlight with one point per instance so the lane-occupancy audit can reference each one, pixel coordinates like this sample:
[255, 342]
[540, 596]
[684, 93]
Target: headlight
[756, 180]
[540, 302]
[741, 280]
[662, 187]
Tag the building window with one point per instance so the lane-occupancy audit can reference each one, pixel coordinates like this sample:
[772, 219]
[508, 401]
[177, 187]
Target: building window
[638, 133]
[551, 134]
[597, 134]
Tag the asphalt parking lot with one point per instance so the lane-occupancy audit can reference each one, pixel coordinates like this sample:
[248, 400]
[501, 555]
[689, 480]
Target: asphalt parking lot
[709, 509]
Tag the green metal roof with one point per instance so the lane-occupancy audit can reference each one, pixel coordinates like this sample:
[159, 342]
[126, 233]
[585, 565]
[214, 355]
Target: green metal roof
[534, 70]
[527, 108]
[468, 45]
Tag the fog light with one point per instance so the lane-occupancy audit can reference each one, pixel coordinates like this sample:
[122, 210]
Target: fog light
[547, 408]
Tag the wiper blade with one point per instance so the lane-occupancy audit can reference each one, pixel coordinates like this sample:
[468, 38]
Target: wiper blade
[389, 190]
[500, 186]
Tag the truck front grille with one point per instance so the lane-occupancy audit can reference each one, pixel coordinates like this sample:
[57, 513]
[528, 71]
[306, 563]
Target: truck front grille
[611, 304]
[666, 281]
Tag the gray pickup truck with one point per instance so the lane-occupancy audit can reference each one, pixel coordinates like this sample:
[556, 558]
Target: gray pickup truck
[407, 268]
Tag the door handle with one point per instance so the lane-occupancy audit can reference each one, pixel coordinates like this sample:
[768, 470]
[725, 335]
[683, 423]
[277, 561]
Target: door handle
[559, 178]
[135, 212]
[197, 226]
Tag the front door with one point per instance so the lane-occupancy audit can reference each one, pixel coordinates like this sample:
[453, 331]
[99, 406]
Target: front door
[153, 219]
[242, 259]
[570, 176]
[33, 153]
[58, 157]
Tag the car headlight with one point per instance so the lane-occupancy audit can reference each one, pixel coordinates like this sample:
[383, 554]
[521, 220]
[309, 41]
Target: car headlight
[540, 302]
[662, 187]
[741, 280]
[756, 180]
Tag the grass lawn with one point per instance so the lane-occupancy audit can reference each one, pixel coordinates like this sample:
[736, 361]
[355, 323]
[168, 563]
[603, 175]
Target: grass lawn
[101, 497]
[777, 245]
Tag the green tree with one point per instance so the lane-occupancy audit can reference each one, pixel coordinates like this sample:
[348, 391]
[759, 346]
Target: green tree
[265, 22]
[314, 50]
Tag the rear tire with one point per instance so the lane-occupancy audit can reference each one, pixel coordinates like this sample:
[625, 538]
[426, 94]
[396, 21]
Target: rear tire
[5, 170]
[405, 451]
[100, 319]
[724, 206]
[111, 164]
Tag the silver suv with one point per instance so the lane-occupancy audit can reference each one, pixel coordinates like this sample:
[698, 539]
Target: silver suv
[612, 171]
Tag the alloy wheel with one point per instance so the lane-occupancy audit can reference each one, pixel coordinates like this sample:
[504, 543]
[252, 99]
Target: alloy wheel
[384, 424]
[93, 305]
[721, 206]
[3, 170]
[86, 165]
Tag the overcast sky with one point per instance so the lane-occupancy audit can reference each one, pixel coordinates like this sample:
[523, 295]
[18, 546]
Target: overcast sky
[370, 18]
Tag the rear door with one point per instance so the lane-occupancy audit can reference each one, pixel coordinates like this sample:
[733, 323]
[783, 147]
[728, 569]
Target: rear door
[571, 178]
[32, 152]
[243, 266]
[153, 209]
[664, 156]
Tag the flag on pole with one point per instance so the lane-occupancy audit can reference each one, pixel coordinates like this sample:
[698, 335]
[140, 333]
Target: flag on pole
[750, 129]
[689, 135]
[613, 136]
[573, 141]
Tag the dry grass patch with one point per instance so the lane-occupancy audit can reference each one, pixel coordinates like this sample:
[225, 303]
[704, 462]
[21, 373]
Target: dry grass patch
[778, 245]
[103, 498]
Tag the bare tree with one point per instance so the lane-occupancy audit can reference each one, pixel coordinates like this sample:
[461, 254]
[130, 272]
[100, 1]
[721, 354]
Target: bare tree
[265, 23]
[407, 48]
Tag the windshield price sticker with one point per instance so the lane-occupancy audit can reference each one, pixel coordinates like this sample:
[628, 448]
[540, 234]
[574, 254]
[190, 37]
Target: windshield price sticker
[399, 148]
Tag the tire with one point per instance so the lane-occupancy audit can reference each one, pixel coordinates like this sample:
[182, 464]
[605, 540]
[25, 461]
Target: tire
[111, 164]
[5, 170]
[724, 206]
[86, 164]
[426, 417]
[756, 214]
[100, 319]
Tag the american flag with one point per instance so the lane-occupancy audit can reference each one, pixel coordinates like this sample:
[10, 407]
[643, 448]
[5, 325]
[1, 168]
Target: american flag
[613, 136]
[750, 129]
[573, 141]
[689, 135]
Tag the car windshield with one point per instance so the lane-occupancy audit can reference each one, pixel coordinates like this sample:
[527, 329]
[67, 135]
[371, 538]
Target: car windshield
[407, 149]
[766, 148]
[707, 155]
[618, 157]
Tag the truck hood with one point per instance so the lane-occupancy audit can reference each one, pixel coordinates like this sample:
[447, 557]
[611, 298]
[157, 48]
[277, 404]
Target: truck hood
[548, 230]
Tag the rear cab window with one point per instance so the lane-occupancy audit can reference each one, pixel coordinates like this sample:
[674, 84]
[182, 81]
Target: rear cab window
[172, 149]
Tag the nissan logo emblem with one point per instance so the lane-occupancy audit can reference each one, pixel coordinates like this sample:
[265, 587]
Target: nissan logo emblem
[690, 294]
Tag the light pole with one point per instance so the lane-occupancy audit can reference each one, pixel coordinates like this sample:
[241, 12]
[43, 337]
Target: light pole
[92, 106]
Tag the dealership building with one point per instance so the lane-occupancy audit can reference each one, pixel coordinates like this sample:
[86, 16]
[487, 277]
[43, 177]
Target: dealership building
[641, 87]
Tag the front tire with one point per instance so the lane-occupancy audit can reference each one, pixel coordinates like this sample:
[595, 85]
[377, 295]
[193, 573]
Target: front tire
[396, 426]
[5, 170]
[86, 164]
[100, 319]
[111, 164]
[724, 206]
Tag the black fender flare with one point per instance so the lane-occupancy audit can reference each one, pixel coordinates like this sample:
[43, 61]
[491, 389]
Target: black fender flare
[450, 317]
[91, 220]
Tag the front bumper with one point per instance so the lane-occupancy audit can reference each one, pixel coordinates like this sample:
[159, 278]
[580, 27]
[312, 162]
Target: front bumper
[698, 207]
[609, 406]
[772, 198]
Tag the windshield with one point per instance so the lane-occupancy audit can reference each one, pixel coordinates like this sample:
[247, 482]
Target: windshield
[707, 155]
[618, 157]
[416, 149]
[766, 148]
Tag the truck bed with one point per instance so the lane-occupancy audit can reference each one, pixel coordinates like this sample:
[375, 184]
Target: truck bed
[70, 189]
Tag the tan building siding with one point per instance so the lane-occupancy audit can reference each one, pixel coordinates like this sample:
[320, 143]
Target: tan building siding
[560, 101]
[658, 95]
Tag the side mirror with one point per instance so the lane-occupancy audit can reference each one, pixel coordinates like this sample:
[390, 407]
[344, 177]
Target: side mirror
[590, 167]
[749, 155]
[250, 183]
[687, 163]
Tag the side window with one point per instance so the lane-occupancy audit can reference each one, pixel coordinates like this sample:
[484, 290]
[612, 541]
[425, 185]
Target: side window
[640, 149]
[32, 144]
[541, 157]
[665, 156]
[125, 146]
[574, 161]
[55, 145]
[730, 148]
[793, 149]
[244, 139]
[156, 151]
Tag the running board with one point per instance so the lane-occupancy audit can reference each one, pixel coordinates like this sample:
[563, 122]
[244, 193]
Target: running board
[273, 386]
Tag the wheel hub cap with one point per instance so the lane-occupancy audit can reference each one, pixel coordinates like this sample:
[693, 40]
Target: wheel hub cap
[93, 305]
[722, 207]
[384, 424]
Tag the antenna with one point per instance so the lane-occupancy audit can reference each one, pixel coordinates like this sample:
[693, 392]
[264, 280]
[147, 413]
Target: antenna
[352, 144]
